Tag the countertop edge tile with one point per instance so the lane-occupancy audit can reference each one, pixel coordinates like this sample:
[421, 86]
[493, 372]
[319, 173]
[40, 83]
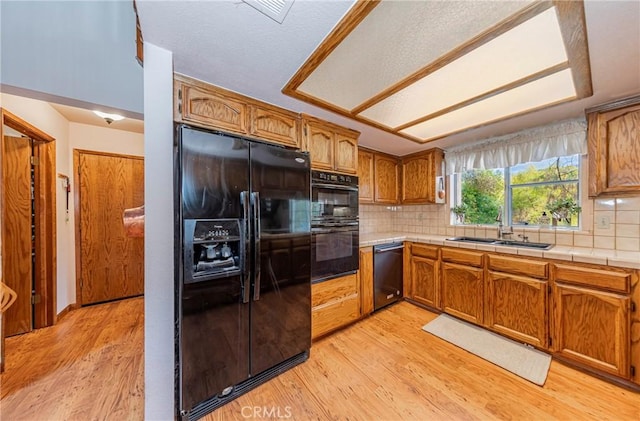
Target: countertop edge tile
[619, 258]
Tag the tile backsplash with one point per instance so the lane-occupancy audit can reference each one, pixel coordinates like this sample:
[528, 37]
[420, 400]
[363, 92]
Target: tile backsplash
[612, 223]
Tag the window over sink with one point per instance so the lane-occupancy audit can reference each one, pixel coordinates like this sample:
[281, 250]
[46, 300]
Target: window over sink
[538, 194]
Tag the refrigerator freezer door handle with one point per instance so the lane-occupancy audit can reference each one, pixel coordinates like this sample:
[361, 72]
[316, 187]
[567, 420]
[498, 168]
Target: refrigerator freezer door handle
[255, 201]
[246, 247]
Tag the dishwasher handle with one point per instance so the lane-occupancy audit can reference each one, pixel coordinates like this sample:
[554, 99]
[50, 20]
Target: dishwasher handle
[381, 249]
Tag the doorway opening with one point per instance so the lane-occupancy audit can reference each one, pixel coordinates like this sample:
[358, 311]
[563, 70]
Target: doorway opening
[28, 233]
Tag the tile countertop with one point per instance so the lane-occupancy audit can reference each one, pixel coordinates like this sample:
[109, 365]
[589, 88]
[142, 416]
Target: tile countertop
[619, 258]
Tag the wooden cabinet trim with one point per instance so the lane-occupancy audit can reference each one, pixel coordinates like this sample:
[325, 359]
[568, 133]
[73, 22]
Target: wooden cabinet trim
[366, 280]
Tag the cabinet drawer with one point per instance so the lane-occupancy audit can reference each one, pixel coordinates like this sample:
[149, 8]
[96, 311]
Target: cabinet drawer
[469, 258]
[333, 290]
[531, 268]
[422, 250]
[596, 278]
[330, 317]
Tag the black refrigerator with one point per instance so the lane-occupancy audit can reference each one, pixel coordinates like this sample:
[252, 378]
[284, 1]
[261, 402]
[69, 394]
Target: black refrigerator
[243, 290]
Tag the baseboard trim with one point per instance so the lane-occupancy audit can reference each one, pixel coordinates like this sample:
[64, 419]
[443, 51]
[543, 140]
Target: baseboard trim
[66, 310]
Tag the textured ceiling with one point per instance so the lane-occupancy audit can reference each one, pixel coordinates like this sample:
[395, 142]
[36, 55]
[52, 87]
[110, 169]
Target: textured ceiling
[234, 46]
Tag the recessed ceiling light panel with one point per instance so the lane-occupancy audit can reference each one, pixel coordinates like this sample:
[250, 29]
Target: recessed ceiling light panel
[542, 92]
[525, 50]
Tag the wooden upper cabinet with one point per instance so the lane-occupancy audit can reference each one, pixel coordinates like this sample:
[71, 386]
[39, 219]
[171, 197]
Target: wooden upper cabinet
[331, 147]
[212, 109]
[385, 169]
[204, 105]
[614, 148]
[280, 126]
[422, 177]
[346, 153]
[321, 146]
[365, 176]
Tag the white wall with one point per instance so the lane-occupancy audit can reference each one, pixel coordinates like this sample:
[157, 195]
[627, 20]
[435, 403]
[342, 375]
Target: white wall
[158, 244]
[69, 136]
[80, 50]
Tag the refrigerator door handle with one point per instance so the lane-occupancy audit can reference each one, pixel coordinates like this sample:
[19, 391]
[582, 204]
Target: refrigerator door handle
[255, 201]
[246, 246]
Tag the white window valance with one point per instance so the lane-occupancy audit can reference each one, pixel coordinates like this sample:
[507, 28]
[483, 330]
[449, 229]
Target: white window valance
[565, 138]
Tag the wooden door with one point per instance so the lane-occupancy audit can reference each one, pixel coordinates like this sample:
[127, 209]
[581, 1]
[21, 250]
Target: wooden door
[111, 263]
[517, 307]
[424, 281]
[17, 270]
[462, 292]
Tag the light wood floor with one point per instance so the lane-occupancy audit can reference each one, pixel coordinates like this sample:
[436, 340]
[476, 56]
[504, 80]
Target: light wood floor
[89, 366]
[383, 368]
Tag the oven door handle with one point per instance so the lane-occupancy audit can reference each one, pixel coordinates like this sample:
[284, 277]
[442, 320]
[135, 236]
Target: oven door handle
[333, 229]
[334, 186]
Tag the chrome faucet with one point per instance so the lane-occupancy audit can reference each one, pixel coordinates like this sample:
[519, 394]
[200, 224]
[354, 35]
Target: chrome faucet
[502, 232]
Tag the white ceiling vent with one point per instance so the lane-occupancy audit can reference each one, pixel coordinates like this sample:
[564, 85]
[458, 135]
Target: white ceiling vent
[275, 9]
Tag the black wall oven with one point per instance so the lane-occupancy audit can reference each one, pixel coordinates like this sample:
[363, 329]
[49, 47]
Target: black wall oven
[334, 225]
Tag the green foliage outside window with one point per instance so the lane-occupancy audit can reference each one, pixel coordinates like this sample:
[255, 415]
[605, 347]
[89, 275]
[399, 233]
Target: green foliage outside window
[549, 186]
[483, 194]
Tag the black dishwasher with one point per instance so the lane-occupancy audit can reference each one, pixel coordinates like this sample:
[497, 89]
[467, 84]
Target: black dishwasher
[387, 274]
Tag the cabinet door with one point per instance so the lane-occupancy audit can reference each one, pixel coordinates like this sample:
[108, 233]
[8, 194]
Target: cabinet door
[346, 153]
[321, 143]
[592, 328]
[462, 291]
[385, 179]
[366, 280]
[418, 180]
[365, 176]
[517, 307]
[213, 110]
[281, 127]
[425, 287]
[614, 151]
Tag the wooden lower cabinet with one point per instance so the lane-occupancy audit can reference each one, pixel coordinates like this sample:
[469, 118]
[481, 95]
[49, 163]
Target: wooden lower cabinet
[591, 327]
[366, 280]
[462, 291]
[334, 303]
[425, 285]
[517, 306]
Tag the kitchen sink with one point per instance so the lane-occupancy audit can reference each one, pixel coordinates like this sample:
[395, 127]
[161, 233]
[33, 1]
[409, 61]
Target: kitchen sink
[498, 242]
